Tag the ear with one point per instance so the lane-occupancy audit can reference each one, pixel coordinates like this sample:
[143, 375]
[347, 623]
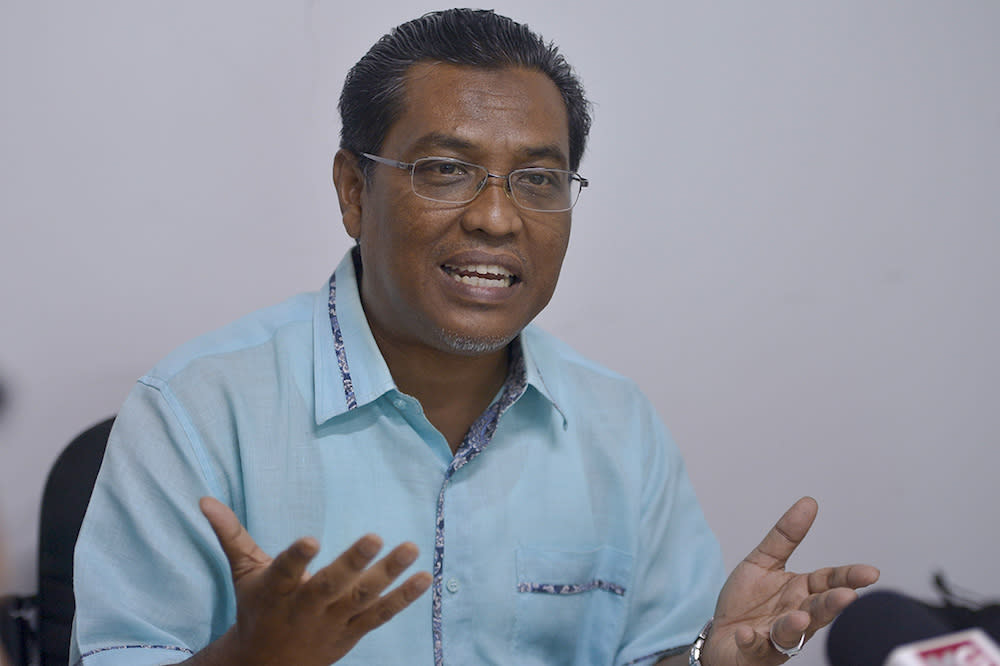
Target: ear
[349, 182]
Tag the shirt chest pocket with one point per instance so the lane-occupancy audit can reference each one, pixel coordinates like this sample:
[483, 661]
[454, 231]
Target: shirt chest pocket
[571, 605]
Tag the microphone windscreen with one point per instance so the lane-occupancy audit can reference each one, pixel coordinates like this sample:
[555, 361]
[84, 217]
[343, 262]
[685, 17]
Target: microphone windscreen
[867, 631]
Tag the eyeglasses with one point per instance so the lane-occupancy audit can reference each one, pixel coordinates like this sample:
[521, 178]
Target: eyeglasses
[448, 180]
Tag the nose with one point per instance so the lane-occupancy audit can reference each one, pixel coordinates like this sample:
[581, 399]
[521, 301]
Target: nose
[493, 211]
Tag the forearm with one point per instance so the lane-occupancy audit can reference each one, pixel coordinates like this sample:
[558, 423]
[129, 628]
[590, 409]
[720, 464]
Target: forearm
[676, 660]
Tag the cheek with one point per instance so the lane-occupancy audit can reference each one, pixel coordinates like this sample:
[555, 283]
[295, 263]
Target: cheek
[556, 244]
[551, 252]
[402, 246]
[384, 232]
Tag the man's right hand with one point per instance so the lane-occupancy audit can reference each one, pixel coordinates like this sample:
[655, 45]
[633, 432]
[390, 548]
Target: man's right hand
[284, 615]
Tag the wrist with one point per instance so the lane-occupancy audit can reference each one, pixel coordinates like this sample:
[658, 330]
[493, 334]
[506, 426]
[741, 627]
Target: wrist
[226, 650]
[698, 647]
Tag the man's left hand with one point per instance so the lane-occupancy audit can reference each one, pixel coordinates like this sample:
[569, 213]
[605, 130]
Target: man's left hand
[761, 601]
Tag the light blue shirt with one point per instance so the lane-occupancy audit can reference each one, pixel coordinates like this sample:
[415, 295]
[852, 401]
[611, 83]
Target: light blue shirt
[565, 530]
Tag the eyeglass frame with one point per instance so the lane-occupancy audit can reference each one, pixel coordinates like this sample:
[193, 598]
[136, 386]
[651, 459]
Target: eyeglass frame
[508, 190]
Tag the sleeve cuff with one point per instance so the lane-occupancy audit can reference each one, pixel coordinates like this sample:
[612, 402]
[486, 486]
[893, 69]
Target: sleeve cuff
[134, 655]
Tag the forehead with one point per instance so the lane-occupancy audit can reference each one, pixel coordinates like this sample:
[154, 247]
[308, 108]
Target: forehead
[511, 114]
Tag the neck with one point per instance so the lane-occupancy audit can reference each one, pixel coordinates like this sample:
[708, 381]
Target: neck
[453, 389]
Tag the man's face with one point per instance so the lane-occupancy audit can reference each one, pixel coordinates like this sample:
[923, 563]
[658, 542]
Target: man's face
[462, 278]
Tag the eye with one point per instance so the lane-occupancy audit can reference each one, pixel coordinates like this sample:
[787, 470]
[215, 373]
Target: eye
[448, 168]
[445, 179]
[432, 167]
[539, 179]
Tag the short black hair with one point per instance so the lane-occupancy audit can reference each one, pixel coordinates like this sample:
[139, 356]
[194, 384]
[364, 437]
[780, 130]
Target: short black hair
[372, 98]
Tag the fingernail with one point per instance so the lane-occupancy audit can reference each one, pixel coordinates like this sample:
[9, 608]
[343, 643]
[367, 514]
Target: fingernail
[418, 587]
[305, 549]
[369, 547]
[405, 558]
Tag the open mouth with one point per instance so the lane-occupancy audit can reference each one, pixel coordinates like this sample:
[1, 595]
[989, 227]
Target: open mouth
[481, 275]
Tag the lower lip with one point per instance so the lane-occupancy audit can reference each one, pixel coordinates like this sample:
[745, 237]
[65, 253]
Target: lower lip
[476, 293]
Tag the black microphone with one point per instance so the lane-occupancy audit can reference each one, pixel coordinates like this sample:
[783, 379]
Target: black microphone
[878, 622]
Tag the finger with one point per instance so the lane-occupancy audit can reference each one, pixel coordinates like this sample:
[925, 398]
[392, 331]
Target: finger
[391, 604]
[786, 631]
[380, 575]
[789, 630]
[288, 569]
[823, 608]
[780, 542]
[755, 647]
[329, 583]
[852, 576]
[241, 550]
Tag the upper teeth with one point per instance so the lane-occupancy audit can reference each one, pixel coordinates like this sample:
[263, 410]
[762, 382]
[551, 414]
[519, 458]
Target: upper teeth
[486, 275]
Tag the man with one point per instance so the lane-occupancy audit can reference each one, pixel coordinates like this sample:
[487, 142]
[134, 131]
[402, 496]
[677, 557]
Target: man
[538, 493]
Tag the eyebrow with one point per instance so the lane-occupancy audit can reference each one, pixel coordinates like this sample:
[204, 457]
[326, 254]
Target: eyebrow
[435, 140]
[441, 140]
[549, 151]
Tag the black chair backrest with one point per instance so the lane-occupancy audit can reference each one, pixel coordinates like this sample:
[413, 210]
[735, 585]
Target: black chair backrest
[67, 493]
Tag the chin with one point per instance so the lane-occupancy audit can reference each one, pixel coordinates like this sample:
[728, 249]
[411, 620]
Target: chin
[473, 345]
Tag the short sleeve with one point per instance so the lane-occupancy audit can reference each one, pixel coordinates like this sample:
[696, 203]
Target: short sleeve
[144, 549]
[678, 571]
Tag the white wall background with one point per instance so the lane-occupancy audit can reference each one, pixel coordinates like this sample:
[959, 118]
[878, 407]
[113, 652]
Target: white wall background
[790, 242]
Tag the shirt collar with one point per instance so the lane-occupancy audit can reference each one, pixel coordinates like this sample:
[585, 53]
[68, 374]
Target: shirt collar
[535, 376]
[349, 369]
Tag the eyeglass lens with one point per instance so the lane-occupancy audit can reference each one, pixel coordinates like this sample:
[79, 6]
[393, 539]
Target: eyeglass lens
[454, 181]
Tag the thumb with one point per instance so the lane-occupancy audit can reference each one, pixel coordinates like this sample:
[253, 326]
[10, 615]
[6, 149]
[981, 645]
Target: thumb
[241, 550]
[779, 543]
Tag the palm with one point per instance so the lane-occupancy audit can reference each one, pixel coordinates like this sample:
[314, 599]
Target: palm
[287, 616]
[761, 599]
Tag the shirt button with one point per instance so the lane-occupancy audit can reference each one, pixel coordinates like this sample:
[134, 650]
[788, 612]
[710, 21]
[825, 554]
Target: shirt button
[400, 403]
[453, 585]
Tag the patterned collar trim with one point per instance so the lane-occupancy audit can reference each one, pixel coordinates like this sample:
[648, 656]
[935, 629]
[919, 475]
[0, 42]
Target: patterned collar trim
[514, 385]
[338, 347]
